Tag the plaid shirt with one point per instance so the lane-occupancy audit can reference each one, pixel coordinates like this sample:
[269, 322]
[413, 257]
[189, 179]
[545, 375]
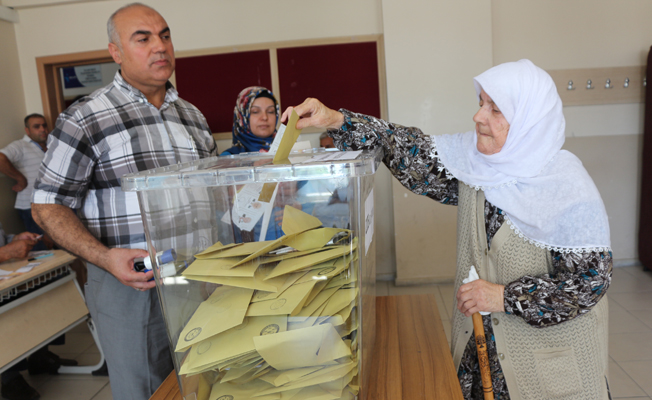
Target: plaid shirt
[112, 132]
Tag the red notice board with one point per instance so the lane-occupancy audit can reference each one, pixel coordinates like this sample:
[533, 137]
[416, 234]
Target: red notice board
[340, 75]
[213, 82]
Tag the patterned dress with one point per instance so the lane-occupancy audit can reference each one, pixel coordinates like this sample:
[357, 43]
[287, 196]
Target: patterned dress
[578, 280]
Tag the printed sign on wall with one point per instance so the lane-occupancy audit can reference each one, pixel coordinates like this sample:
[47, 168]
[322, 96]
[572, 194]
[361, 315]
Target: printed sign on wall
[82, 76]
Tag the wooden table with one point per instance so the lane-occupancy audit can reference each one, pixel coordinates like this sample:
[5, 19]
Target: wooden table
[412, 359]
[38, 306]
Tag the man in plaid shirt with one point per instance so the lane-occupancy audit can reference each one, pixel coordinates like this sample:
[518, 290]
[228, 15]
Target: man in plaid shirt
[136, 123]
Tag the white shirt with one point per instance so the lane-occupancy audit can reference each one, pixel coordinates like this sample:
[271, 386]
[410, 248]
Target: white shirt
[26, 156]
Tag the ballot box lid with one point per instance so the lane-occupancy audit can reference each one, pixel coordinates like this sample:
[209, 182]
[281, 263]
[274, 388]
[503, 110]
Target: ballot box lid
[245, 168]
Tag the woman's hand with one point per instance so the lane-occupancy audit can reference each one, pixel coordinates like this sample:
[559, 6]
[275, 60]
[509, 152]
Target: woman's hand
[480, 295]
[313, 113]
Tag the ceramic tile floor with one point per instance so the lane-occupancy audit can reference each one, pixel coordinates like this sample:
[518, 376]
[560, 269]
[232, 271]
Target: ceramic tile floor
[630, 335]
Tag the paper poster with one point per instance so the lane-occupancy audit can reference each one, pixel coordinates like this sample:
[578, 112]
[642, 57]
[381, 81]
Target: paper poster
[82, 76]
[248, 209]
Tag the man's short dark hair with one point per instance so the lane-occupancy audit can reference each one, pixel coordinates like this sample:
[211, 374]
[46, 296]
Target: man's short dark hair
[35, 115]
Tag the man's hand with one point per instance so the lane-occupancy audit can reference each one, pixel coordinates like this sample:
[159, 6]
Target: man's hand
[28, 236]
[63, 225]
[16, 249]
[7, 168]
[480, 295]
[120, 263]
[313, 113]
[21, 184]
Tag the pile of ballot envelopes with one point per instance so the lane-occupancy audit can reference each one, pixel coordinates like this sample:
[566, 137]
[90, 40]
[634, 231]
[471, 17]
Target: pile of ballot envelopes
[282, 321]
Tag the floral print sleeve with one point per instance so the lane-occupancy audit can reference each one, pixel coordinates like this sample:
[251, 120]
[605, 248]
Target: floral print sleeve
[410, 155]
[577, 283]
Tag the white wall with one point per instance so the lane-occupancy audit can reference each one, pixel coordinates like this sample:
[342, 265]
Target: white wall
[195, 24]
[12, 112]
[431, 56]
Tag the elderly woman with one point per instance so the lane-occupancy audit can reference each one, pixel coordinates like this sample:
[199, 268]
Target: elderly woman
[530, 220]
[254, 121]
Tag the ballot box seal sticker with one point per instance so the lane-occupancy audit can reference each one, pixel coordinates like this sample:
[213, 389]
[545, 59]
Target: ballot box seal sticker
[203, 347]
[192, 334]
[277, 304]
[270, 330]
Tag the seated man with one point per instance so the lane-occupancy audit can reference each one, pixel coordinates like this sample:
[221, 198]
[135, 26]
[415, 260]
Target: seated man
[14, 386]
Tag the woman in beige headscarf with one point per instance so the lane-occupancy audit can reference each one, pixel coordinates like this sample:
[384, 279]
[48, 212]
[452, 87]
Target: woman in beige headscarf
[530, 220]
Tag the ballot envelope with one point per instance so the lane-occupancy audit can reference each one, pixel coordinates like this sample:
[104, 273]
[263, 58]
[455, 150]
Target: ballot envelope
[265, 271]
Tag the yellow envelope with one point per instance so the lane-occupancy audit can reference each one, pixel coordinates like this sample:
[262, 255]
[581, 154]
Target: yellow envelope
[278, 378]
[346, 311]
[341, 299]
[260, 295]
[240, 361]
[236, 341]
[258, 282]
[222, 267]
[336, 320]
[314, 305]
[224, 391]
[294, 254]
[314, 239]
[289, 301]
[342, 280]
[287, 141]
[241, 250]
[220, 366]
[317, 345]
[296, 264]
[296, 221]
[327, 374]
[216, 248]
[287, 395]
[327, 270]
[336, 387]
[272, 245]
[223, 310]
[251, 375]
[316, 290]
[314, 393]
[295, 323]
[235, 372]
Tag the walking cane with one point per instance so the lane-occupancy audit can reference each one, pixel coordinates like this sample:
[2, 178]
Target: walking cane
[483, 359]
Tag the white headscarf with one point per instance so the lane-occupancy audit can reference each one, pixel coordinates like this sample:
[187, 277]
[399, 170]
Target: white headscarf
[545, 192]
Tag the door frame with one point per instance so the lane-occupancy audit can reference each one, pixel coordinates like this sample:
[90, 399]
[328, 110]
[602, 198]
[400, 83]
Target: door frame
[50, 84]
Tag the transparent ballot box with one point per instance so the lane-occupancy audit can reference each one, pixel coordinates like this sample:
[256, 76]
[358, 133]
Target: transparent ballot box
[265, 272]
